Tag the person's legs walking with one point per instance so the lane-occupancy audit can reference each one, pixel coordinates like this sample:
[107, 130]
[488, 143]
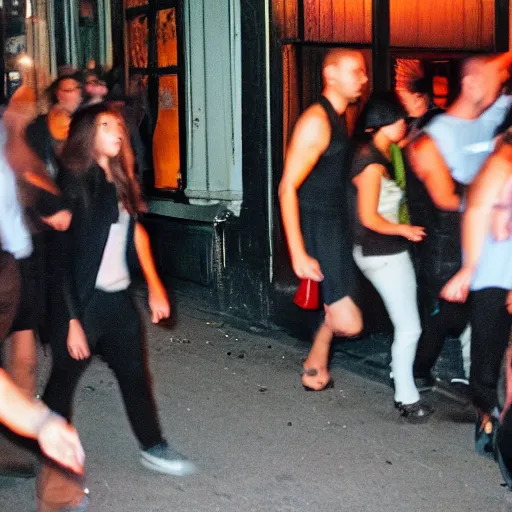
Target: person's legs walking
[121, 345]
[490, 324]
[22, 361]
[343, 318]
[56, 488]
[394, 279]
[447, 316]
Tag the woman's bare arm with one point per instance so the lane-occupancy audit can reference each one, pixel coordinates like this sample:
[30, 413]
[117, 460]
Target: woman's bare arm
[158, 300]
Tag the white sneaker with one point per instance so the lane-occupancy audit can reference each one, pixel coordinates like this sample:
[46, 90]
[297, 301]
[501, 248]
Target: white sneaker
[164, 459]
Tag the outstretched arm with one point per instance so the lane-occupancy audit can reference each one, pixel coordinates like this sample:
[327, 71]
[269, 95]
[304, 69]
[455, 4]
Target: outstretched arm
[477, 221]
[31, 418]
[158, 300]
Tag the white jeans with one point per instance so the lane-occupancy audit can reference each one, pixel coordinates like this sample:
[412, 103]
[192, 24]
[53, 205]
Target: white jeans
[394, 279]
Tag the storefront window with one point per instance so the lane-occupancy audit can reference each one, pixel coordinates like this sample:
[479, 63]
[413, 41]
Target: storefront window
[138, 41]
[154, 58]
[167, 38]
[166, 139]
[458, 24]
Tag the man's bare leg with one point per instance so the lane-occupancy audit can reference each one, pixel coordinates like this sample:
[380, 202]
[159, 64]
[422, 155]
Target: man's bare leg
[316, 373]
[342, 317]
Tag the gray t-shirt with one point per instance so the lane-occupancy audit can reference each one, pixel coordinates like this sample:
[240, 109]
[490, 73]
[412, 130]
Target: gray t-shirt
[465, 144]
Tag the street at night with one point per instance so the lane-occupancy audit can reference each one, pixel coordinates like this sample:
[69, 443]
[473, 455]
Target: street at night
[232, 401]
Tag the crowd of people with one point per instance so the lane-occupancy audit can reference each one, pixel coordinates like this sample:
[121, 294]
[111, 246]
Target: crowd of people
[420, 201]
[71, 240]
[417, 200]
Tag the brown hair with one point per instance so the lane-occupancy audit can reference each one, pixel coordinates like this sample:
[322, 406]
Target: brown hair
[78, 155]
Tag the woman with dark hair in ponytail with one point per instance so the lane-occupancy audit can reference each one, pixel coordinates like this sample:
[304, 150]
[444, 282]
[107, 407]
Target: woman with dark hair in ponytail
[91, 308]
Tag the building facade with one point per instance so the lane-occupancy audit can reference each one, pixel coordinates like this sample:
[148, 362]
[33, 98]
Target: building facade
[224, 83]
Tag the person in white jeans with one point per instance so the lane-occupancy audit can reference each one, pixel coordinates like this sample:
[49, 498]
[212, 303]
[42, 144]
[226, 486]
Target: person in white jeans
[381, 242]
[394, 279]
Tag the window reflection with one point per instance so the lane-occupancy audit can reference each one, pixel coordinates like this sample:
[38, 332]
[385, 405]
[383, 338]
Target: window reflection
[167, 41]
[166, 138]
[138, 41]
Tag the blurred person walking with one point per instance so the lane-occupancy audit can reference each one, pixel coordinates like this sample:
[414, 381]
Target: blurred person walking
[313, 196]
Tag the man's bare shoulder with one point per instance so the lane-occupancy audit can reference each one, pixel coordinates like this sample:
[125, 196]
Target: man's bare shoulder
[422, 143]
[313, 125]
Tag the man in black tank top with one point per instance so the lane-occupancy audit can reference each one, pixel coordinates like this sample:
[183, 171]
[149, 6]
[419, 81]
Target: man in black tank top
[313, 200]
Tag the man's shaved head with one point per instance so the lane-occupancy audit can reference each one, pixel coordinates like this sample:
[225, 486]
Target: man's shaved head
[336, 55]
[344, 70]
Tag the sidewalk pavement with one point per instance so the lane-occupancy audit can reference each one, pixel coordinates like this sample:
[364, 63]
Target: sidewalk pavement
[232, 401]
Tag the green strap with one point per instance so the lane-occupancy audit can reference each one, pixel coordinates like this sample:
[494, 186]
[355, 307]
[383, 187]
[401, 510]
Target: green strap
[398, 164]
[399, 167]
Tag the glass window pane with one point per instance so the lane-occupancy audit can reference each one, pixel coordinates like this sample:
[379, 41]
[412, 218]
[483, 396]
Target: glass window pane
[467, 24]
[340, 21]
[167, 40]
[138, 41]
[136, 3]
[166, 138]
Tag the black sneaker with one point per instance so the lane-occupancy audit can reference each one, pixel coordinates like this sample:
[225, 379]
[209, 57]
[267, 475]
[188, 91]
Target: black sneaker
[414, 413]
[164, 459]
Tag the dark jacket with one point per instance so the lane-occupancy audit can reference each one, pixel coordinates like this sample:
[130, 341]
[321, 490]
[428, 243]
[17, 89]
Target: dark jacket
[76, 254]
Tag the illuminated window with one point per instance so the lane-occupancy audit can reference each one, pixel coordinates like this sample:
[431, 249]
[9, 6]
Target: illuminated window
[154, 46]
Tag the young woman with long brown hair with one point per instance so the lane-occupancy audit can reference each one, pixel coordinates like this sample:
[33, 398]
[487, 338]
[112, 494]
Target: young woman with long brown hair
[91, 309]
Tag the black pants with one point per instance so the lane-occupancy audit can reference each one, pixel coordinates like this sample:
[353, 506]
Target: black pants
[113, 328]
[438, 322]
[490, 324]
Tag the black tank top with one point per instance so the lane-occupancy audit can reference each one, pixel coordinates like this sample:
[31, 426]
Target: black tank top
[326, 185]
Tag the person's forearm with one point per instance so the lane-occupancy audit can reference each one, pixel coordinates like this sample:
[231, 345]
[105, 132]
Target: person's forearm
[21, 414]
[450, 202]
[475, 229]
[381, 225]
[145, 257]
[290, 214]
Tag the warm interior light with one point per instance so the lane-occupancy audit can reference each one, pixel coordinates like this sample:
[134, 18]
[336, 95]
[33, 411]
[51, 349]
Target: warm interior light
[25, 60]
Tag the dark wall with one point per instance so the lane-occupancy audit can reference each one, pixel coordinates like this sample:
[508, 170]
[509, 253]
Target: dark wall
[246, 290]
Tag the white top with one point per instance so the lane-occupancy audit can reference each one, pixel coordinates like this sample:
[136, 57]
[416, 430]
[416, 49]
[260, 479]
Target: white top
[389, 200]
[14, 234]
[113, 274]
